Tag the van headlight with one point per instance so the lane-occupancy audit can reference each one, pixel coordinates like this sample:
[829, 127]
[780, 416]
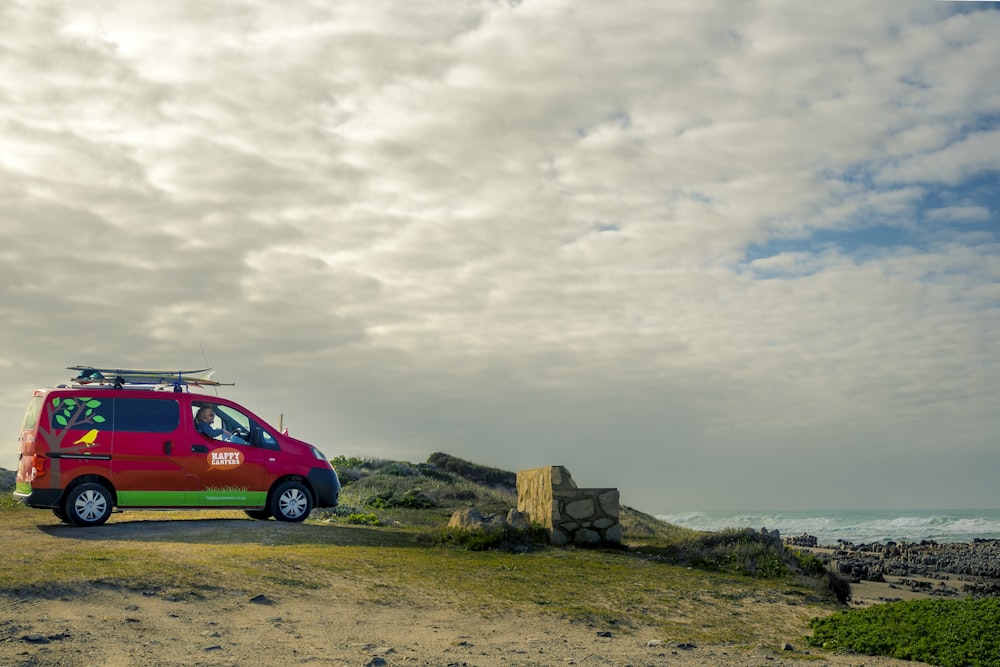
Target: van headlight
[318, 454]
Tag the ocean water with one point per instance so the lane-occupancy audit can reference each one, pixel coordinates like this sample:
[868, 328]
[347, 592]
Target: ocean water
[858, 526]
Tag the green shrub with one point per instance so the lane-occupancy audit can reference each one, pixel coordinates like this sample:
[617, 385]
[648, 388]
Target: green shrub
[741, 551]
[398, 469]
[433, 472]
[339, 462]
[837, 585]
[410, 499]
[363, 520]
[460, 495]
[508, 539]
[949, 633]
[808, 562]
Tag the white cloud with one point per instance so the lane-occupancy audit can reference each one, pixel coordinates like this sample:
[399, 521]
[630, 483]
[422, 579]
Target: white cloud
[520, 232]
[959, 214]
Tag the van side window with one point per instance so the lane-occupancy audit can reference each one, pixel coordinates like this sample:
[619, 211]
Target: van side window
[30, 422]
[267, 441]
[139, 415]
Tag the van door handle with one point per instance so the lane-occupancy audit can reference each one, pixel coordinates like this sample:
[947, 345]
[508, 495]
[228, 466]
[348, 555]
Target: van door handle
[167, 444]
[199, 449]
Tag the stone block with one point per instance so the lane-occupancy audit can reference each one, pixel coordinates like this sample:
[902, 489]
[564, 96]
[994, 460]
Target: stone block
[581, 509]
[609, 501]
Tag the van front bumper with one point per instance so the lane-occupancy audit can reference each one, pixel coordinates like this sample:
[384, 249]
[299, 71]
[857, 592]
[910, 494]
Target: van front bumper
[326, 484]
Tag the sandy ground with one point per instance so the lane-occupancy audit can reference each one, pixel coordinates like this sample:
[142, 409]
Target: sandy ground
[119, 628]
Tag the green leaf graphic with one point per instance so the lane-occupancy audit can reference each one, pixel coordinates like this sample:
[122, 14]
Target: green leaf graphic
[99, 419]
[62, 420]
[93, 403]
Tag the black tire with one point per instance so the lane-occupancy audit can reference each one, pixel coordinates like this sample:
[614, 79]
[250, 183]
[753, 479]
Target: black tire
[260, 515]
[88, 504]
[291, 501]
[60, 514]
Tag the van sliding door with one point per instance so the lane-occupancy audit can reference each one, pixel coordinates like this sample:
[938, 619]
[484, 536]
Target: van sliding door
[146, 468]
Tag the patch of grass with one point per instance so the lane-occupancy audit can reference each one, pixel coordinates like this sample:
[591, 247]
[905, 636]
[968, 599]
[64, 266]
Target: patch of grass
[86, 564]
[8, 503]
[950, 633]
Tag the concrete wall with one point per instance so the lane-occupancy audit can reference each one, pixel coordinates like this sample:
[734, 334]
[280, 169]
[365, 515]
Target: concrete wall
[550, 497]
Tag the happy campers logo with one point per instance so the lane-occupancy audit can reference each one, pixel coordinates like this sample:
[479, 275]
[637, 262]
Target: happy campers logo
[225, 457]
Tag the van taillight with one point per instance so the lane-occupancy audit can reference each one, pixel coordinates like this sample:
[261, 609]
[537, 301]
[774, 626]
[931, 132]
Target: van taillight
[39, 466]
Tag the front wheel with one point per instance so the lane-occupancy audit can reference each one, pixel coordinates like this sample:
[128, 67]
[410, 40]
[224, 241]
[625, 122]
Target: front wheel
[291, 502]
[259, 515]
[88, 504]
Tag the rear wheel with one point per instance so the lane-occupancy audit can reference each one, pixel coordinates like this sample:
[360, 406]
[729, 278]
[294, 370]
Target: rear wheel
[60, 514]
[88, 504]
[291, 502]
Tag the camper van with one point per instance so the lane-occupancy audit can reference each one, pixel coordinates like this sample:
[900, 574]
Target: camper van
[145, 440]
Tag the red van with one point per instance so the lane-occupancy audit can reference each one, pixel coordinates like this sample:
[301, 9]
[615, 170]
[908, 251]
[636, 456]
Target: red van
[88, 448]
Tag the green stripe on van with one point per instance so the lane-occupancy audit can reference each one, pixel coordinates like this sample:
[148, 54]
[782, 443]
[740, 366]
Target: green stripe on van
[151, 498]
[219, 498]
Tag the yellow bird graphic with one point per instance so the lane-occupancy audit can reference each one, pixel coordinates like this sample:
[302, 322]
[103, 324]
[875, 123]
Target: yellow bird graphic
[87, 439]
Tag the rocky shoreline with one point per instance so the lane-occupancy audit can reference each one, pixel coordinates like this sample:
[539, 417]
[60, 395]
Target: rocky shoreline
[951, 569]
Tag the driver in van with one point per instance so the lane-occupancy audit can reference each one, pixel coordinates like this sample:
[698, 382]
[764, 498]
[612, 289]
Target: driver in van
[203, 424]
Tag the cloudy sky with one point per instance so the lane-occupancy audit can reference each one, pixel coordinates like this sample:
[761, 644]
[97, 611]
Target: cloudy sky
[720, 255]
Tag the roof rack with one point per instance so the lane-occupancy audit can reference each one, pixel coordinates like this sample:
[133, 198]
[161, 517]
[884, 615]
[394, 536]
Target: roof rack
[119, 377]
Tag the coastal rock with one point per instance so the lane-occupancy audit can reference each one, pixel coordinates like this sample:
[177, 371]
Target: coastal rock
[518, 520]
[802, 541]
[978, 560]
[471, 519]
[774, 536]
[468, 519]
